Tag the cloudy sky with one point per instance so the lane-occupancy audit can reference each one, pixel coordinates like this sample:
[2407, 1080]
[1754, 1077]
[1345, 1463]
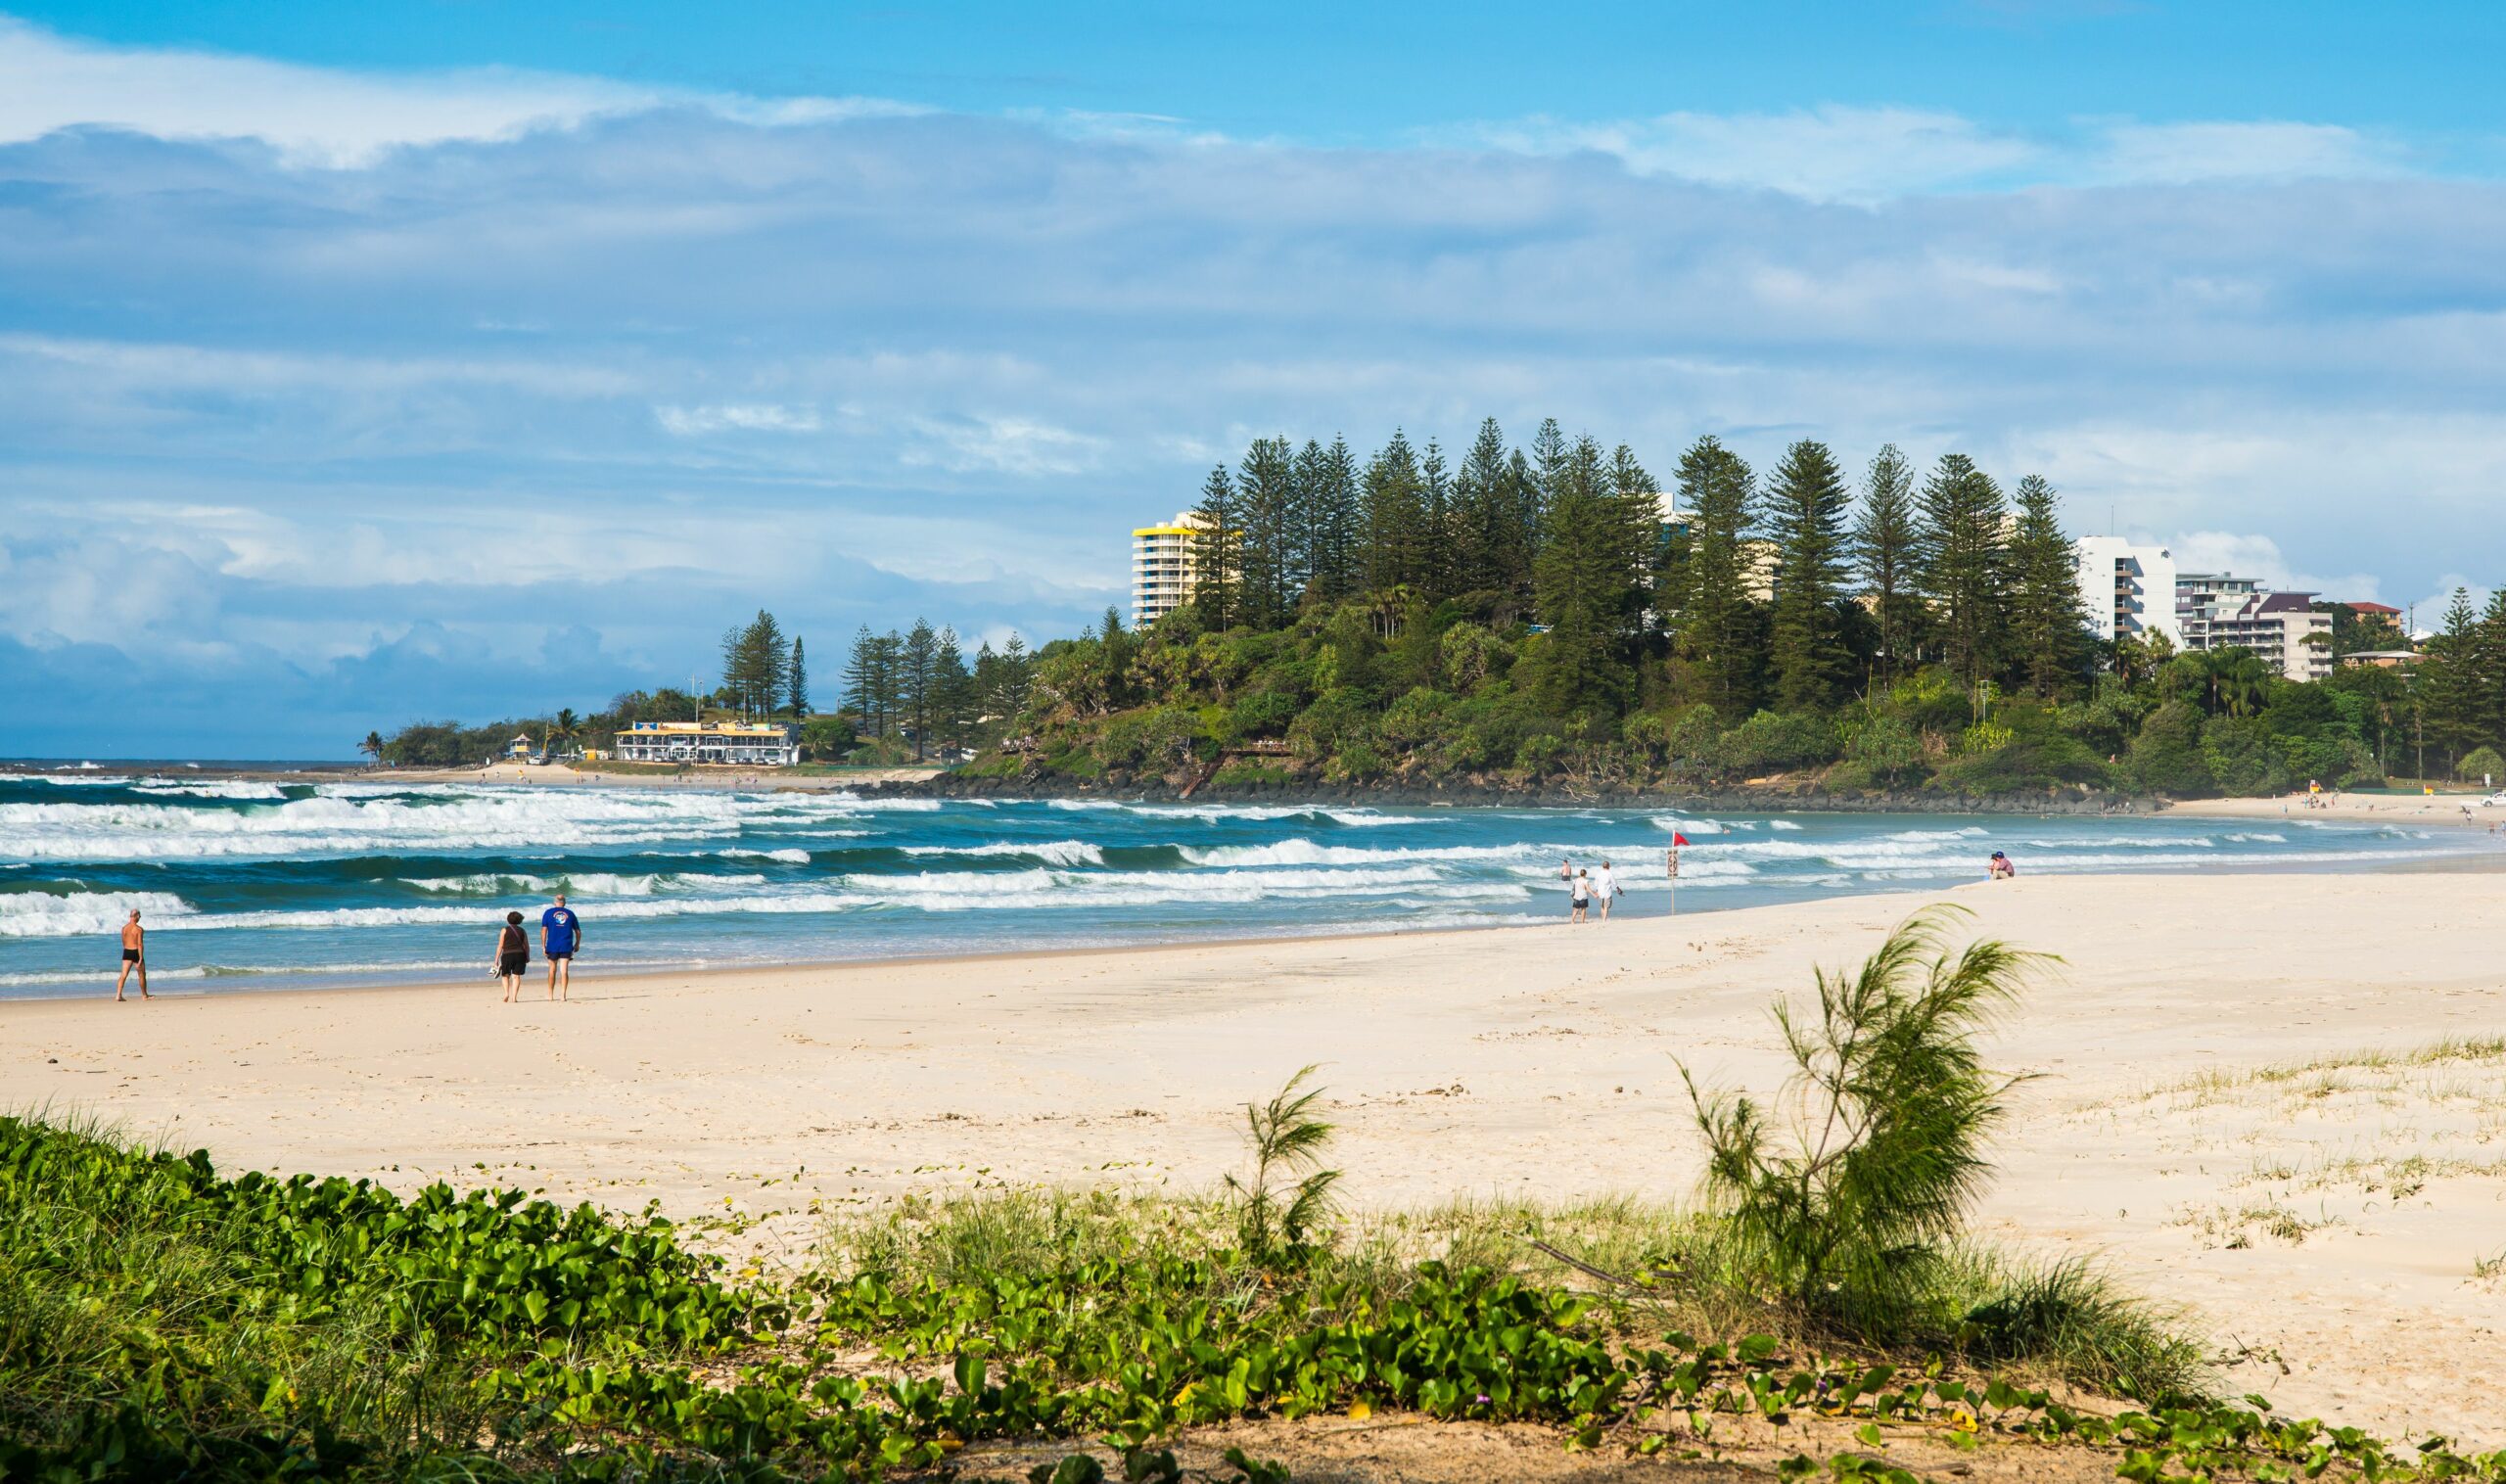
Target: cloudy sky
[359, 363]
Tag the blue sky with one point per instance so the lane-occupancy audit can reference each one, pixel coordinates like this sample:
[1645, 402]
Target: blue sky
[366, 362]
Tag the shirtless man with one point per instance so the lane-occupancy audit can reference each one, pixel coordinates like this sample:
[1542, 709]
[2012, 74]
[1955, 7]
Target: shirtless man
[134, 955]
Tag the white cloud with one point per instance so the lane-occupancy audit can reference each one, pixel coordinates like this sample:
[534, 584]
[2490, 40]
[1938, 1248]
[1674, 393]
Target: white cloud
[740, 417]
[1823, 154]
[322, 116]
[2178, 154]
[1870, 155]
[1022, 446]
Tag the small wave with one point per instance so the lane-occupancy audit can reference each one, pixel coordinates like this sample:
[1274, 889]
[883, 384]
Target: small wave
[221, 789]
[594, 884]
[1049, 851]
[787, 856]
[1308, 853]
[1781, 825]
[76, 913]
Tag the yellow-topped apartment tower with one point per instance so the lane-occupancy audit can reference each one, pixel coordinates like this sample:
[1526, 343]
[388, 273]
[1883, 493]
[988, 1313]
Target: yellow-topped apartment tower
[1163, 568]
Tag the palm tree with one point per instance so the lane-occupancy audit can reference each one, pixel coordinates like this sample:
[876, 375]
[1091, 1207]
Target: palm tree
[2236, 678]
[372, 746]
[565, 728]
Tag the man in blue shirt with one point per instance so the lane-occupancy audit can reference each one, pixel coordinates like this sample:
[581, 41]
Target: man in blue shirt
[561, 932]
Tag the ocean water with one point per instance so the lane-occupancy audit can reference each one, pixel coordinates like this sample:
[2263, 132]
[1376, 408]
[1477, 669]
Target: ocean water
[251, 884]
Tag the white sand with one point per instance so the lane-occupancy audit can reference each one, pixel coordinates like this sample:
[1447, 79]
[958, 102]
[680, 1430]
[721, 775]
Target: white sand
[1534, 1062]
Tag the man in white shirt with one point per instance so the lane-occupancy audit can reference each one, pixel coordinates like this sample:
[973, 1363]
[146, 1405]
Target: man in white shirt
[1604, 887]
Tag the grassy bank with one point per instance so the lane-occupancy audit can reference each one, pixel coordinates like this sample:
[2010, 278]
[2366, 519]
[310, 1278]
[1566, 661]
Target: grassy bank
[158, 1320]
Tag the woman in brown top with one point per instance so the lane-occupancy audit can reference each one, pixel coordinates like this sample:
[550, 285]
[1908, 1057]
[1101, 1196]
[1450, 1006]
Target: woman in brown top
[513, 955]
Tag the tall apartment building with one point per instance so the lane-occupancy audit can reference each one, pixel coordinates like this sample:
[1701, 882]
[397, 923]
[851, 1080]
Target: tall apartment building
[2128, 590]
[1163, 568]
[2220, 610]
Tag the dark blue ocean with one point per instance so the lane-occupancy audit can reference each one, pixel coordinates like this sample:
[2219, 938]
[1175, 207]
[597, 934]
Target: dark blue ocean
[250, 884]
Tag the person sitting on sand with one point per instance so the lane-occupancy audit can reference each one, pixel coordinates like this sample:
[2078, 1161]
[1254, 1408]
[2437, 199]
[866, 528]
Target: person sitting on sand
[561, 934]
[1580, 892]
[134, 955]
[2000, 868]
[513, 955]
[1604, 887]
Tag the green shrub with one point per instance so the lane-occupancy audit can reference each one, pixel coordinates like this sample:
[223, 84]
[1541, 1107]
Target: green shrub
[2167, 757]
[2479, 763]
[1773, 742]
[1885, 1115]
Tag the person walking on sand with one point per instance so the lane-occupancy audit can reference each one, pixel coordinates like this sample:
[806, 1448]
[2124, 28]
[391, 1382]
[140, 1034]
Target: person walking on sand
[1604, 887]
[513, 955]
[1580, 894]
[561, 935]
[134, 955]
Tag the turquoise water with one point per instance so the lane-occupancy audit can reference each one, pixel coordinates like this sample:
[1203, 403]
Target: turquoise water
[254, 884]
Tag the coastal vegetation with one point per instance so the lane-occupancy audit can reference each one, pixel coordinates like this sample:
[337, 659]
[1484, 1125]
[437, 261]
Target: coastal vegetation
[907, 697]
[1542, 621]
[159, 1319]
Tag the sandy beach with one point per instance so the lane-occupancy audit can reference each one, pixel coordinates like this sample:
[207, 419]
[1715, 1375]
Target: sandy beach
[2232, 1105]
[2446, 808]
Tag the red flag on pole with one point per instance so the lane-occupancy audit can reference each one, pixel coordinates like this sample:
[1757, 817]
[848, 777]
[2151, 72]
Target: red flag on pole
[1678, 839]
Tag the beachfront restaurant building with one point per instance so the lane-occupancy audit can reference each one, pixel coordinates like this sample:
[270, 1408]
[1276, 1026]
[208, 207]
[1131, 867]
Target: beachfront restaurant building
[745, 744]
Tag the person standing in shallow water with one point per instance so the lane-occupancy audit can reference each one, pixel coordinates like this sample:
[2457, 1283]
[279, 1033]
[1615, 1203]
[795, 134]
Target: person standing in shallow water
[513, 955]
[134, 955]
[561, 934]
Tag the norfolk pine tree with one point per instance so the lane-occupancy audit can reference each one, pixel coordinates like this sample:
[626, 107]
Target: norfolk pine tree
[1716, 625]
[1964, 564]
[2048, 638]
[1885, 555]
[1580, 582]
[917, 677]
[1396, 519]
[1336, 521]
[1215, 546]
[1805, 513]
[1270, 554]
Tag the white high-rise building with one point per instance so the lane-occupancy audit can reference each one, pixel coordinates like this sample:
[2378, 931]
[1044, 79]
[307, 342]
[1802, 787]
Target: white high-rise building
[1164, 567]
[2128, 589]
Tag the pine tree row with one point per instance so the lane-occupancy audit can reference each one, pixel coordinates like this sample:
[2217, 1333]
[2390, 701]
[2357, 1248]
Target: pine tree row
[1784, 591]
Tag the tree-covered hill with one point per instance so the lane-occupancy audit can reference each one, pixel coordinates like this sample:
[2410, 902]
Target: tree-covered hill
[1548, 620]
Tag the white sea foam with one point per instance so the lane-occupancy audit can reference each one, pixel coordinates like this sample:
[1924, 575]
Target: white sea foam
[1301, 852]
[395, 821]
[594, 884]
[1781, 825]
[1250, 812]
[225, 788]
[77, 912]
[1049, 851]
[787, 856]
